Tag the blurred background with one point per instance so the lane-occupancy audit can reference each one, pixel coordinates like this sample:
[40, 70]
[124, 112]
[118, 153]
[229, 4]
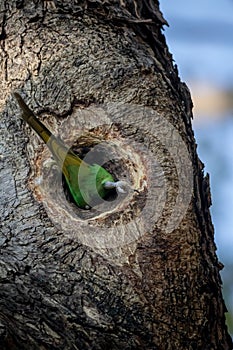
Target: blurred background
[200, 38]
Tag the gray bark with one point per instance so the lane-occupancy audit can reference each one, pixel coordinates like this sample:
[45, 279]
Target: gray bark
[140, 272]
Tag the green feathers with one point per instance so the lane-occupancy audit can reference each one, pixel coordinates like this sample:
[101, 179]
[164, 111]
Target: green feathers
[85, 182]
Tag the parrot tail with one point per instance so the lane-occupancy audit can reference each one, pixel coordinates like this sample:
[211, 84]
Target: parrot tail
[62, 154]
[32, 120]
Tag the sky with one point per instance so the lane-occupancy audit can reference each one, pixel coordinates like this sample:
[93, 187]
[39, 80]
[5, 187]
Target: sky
[200, 38]
[201, 41]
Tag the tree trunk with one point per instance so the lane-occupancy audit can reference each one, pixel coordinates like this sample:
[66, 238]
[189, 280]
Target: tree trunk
[137, 272]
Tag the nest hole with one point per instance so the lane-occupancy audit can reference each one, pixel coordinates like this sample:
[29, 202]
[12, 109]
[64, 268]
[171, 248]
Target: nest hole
[124, 160]
[116, 167]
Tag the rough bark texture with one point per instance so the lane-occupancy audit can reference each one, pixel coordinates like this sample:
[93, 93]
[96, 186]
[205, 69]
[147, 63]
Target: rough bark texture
[82, 65]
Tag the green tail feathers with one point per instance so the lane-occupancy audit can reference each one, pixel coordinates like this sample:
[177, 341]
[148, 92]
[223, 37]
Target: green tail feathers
[85, 185]
[32, 120]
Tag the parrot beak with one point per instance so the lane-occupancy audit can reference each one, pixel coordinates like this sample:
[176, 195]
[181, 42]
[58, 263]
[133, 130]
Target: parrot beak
[120, 186]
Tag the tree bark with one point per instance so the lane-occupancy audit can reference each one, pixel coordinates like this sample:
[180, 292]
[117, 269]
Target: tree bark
[140, 272]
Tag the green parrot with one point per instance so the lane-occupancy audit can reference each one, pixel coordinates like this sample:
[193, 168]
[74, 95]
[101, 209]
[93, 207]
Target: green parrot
[85, 182]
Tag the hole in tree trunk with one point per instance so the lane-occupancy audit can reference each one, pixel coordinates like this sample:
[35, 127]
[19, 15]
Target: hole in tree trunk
[124, 160]
[83, 148]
